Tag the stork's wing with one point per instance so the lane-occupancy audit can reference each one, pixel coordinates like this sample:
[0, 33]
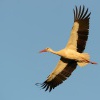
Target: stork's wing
[62, 71]
[80, 30]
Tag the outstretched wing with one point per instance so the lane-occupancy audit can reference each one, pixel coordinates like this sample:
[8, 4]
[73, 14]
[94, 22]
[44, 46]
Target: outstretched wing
[80, 30]
[62, 71]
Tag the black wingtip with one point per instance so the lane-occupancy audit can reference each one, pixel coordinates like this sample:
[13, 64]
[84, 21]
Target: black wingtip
[45, 86]
[81, 13]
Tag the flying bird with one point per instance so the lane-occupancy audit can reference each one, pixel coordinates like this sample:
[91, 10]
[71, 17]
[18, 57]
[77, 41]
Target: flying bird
[72, 55]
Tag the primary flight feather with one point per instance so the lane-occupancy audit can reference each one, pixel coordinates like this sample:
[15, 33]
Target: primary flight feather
[71, 55]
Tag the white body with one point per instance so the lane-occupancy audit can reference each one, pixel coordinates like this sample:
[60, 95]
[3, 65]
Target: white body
[70, 54]
[81, 58]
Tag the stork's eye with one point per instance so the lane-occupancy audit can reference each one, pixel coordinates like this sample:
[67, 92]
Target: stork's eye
[47, 48]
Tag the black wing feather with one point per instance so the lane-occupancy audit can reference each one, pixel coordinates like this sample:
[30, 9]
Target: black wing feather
[62, 76]
[83, 31]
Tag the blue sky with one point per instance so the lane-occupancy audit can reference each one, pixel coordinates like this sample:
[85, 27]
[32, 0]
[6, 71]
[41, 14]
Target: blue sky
[27, 26]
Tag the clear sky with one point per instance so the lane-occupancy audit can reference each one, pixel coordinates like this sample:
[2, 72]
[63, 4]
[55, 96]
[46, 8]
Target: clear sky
[27, 26]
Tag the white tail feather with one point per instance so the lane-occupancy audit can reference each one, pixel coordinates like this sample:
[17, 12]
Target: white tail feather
[85, 59]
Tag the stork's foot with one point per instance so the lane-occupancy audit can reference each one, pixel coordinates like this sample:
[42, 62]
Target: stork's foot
[93, 62]
[87, 61]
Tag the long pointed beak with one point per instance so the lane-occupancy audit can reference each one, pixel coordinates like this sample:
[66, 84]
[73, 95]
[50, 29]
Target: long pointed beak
[42, 51]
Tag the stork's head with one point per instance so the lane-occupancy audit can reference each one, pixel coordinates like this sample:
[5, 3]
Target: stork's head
[46, 50]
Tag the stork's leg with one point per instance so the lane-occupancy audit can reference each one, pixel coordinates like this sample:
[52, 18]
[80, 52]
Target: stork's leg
[87, 61]
[92, 62]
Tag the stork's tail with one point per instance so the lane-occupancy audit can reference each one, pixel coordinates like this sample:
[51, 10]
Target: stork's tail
[85, 60]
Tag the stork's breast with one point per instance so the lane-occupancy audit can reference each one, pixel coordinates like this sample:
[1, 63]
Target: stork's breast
[71, 54]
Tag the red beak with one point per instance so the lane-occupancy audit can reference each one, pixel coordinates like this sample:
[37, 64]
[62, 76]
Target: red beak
[42, 51]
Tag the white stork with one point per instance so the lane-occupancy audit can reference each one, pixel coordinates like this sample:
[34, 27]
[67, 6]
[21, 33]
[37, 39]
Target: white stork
[71, 55]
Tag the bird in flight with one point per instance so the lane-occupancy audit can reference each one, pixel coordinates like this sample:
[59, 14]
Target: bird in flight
[72, 55]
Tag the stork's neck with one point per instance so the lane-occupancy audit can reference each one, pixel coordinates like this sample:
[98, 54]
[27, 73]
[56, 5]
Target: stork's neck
[56, 52]
[52, 51]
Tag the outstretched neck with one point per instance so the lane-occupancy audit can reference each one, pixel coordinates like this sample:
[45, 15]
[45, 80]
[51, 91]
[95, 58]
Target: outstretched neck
[52, 51]
[59, 53]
